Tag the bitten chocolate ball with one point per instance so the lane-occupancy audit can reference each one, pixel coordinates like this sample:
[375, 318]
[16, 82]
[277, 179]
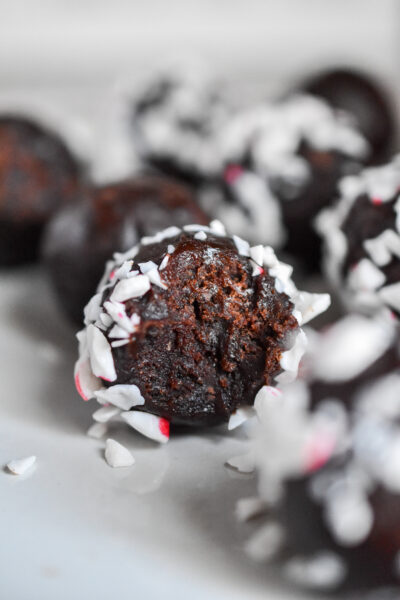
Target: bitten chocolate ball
[80, 238]
[362, 241]
[330, 470]
[38, 175]
[283, 163]
[362, 97]
[189, 325]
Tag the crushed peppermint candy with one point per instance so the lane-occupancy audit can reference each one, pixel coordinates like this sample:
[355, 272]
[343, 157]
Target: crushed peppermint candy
[20, 466]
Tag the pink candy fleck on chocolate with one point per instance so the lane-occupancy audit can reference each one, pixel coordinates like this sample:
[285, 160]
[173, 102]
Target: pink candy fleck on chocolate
[164, 427]
[232, 172]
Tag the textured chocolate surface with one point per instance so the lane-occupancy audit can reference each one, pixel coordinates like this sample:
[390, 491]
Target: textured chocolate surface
[207, 343]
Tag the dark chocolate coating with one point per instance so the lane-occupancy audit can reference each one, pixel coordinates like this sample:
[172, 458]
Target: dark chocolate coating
[38, 175]
[372, 561]
[80, 239]
[362, 97]
[320, 191]
[208, 342]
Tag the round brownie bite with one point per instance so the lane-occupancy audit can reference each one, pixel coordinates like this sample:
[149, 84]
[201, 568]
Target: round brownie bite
[80, 238]
[283, 163]
[189, 325]
[175, 119]
[38, 175]
[329, 471]
[362, 97]
[362, 241]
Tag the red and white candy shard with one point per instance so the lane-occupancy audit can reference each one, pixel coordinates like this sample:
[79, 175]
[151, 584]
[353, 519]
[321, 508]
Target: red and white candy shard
[108, 327]
[20, 466]
[153, 427]
[117, 455]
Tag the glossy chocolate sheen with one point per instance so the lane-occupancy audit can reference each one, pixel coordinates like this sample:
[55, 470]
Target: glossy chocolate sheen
[209, 341]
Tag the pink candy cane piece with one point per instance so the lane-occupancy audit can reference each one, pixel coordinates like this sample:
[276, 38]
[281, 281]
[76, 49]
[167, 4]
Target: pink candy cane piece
[149, 425]
[86, 383]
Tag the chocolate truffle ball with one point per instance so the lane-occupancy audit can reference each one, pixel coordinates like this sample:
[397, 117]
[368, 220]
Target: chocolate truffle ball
[189, 325]
[331, 471]
[175, 119]
[80, 238]
[362, 97]
[362, 242]
[283, 163]
[38, 175]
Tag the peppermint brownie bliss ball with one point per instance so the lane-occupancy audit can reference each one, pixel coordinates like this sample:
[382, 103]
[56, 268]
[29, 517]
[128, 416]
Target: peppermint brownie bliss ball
[186, 328]
[362, 241]
[327, 451]
[282, 165]
[38, 175]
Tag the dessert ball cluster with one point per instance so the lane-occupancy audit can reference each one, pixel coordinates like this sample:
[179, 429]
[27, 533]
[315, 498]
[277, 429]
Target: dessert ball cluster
[362, 241]
[175, 120]
[82, 237]
[327, 452]
[282, 165]
[38, 175]
[362, 97]
[189, 325]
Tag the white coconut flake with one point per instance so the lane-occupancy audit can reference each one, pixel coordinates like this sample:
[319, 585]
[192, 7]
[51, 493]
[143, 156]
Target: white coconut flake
[105, 414]
[85, 381]
[147, 266]
[325, 570]
[97, 430]
[240, 416]
[20, 466]
[244, 463]
[100, 354]
[123, 396]
[217, 227]
[290, 359]
[390, 294]
[147, 424]
[265, 544]
[154, 277]
[130, 288]
[92, 309]
[164, 262]
[117, 455]
[201, 235]
[257, 254]
[248, 508]
[242, 246]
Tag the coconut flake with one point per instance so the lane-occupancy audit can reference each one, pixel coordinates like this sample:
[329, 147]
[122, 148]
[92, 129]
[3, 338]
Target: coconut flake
[117, 455]
[240, 416]
[97, 430]
[242, 246]
[265, 544]
[248, 508]
[85, 381]
[201, 235]
[130, 288]
[20, 466]
[105, 413]
[124, 396]
[244, 463]
[100, 354]
[153, 427]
